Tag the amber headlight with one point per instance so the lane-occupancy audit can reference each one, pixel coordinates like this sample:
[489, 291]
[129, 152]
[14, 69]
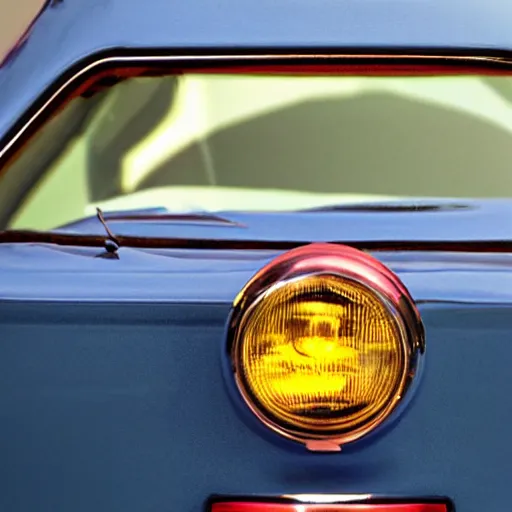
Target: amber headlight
[324, 343]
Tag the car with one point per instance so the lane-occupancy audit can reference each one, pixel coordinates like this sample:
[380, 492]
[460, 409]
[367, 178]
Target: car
[256, 256]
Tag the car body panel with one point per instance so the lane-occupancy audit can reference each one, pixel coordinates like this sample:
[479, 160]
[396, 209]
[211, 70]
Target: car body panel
[408, 219]
[473, 274]
[114, 393]
[57, 274]
[124, 408]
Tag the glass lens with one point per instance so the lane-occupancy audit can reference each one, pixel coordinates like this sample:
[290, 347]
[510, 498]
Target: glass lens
[322, 353]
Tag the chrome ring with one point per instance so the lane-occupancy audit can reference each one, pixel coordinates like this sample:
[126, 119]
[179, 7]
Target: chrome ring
[349, 264]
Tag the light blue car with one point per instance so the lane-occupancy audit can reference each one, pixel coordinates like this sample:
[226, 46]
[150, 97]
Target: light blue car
[257, 257]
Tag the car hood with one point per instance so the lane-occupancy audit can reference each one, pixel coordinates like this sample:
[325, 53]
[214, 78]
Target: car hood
[378, 220]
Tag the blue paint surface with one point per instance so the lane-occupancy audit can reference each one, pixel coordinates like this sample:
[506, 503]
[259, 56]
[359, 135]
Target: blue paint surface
[113, 397]
[52, 273]
[441, 220]
[123, 408]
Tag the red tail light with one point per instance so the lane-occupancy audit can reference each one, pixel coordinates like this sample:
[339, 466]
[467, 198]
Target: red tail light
[241, 506]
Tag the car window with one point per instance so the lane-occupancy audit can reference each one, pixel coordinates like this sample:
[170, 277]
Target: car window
[260, 142]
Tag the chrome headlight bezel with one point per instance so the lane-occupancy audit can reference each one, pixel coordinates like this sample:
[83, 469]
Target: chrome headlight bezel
[349, 264]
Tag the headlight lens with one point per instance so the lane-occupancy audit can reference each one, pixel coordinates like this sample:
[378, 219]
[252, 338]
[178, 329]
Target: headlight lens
[321, 353]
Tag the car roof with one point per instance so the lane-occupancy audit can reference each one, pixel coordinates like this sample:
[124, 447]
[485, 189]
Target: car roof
[70, 30]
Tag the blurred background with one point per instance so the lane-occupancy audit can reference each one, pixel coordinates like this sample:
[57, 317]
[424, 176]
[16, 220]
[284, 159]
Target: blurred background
[15, 17]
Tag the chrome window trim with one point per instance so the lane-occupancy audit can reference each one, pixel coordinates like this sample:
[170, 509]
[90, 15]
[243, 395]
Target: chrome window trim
[285, 58]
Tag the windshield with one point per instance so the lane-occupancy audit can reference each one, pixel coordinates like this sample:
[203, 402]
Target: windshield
[229, 142]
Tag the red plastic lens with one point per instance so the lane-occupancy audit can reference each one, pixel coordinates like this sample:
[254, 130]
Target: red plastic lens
[241, 506]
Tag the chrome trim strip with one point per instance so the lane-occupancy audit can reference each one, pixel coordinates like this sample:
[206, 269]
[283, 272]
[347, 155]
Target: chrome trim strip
[327, 498]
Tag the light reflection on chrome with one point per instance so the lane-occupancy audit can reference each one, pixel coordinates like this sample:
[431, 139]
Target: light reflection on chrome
[327, 498]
